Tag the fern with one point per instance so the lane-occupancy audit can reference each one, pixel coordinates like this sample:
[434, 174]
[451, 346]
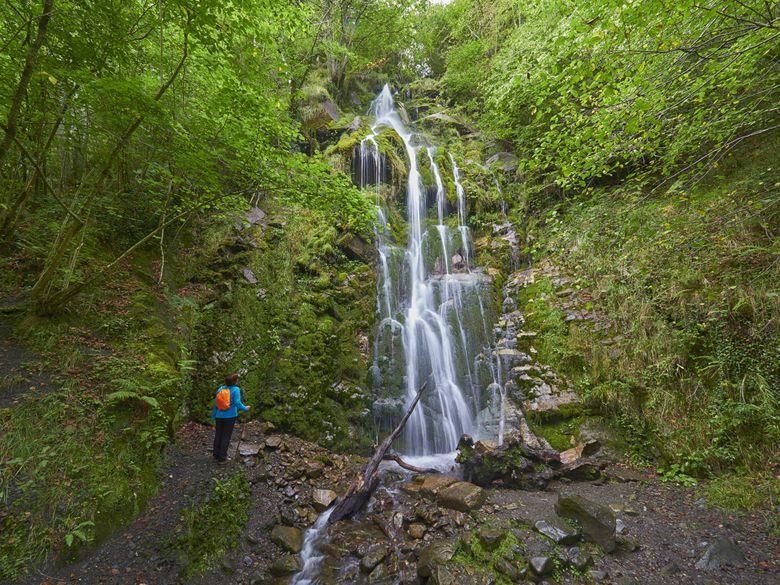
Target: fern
[122, 395]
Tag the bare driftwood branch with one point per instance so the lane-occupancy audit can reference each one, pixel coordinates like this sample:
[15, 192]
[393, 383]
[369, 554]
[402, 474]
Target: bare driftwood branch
[364, 484]
[408, 466]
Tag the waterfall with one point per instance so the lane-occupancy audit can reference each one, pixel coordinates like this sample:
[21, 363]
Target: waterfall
[433, 326]
[438, 316]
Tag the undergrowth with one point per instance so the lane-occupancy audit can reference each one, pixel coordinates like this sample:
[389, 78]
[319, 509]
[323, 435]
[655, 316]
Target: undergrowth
[211, 529]
[688, 280]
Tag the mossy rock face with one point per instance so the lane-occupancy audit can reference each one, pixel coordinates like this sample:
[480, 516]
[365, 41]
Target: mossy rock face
[299, 336]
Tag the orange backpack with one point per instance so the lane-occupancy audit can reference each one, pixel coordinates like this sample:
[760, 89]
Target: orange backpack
[223, 398]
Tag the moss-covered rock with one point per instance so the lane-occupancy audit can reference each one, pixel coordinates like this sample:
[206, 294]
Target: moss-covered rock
[298, 336]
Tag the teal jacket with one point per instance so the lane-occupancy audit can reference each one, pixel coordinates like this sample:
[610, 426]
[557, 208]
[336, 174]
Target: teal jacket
[235, 404]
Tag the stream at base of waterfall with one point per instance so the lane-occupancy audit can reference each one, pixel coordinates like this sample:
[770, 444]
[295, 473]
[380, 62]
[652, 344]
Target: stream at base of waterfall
[433, 311]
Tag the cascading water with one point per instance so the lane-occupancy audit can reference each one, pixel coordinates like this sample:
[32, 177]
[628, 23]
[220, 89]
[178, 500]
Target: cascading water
[432, 318]
[433, 325]
[311, 557]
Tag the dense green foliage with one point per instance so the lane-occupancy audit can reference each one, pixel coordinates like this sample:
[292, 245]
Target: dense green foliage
[647, 141]
[589, 91]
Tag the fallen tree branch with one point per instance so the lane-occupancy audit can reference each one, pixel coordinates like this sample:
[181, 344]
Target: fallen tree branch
[364, 484]
[409, 466]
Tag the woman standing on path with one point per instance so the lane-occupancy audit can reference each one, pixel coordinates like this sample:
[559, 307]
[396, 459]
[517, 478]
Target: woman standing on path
[227, 405]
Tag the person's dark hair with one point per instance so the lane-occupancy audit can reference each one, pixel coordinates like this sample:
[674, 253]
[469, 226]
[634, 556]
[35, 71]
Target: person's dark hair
[231, 379]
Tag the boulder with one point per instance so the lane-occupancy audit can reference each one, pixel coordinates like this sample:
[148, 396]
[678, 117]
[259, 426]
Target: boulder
[557, 531]
[513, 464]
[375, 555]
[322, 499]
[462, 496]
[485, 447]
[287, 537]
[434, 555]
[721, 552]
[597, 521]
[286, 566]
[429, 485]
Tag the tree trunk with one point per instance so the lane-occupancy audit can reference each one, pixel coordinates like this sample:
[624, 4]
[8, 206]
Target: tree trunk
[364, 484]
[21, 89]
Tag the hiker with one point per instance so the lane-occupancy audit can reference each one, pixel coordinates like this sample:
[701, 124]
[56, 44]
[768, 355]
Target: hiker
[227, 404]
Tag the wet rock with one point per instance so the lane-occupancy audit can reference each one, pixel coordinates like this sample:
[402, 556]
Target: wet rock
[485, 447]
[542, 565]
[721, 552]
[582, 470]
[417, 531]
[626, 475]
[433, 556]
[287, 537]
[597, 575]
[490, 538]
[462, 496]
[512, 357]
[557, 531]
[322, 499]
[286, 566]
[597, 521]
[375, 555]
[512, 464]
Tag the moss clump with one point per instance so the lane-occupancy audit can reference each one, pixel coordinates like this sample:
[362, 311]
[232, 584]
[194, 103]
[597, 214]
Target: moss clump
[471, 553]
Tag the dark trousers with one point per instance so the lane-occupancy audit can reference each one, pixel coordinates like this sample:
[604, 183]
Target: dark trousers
[222, 437]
